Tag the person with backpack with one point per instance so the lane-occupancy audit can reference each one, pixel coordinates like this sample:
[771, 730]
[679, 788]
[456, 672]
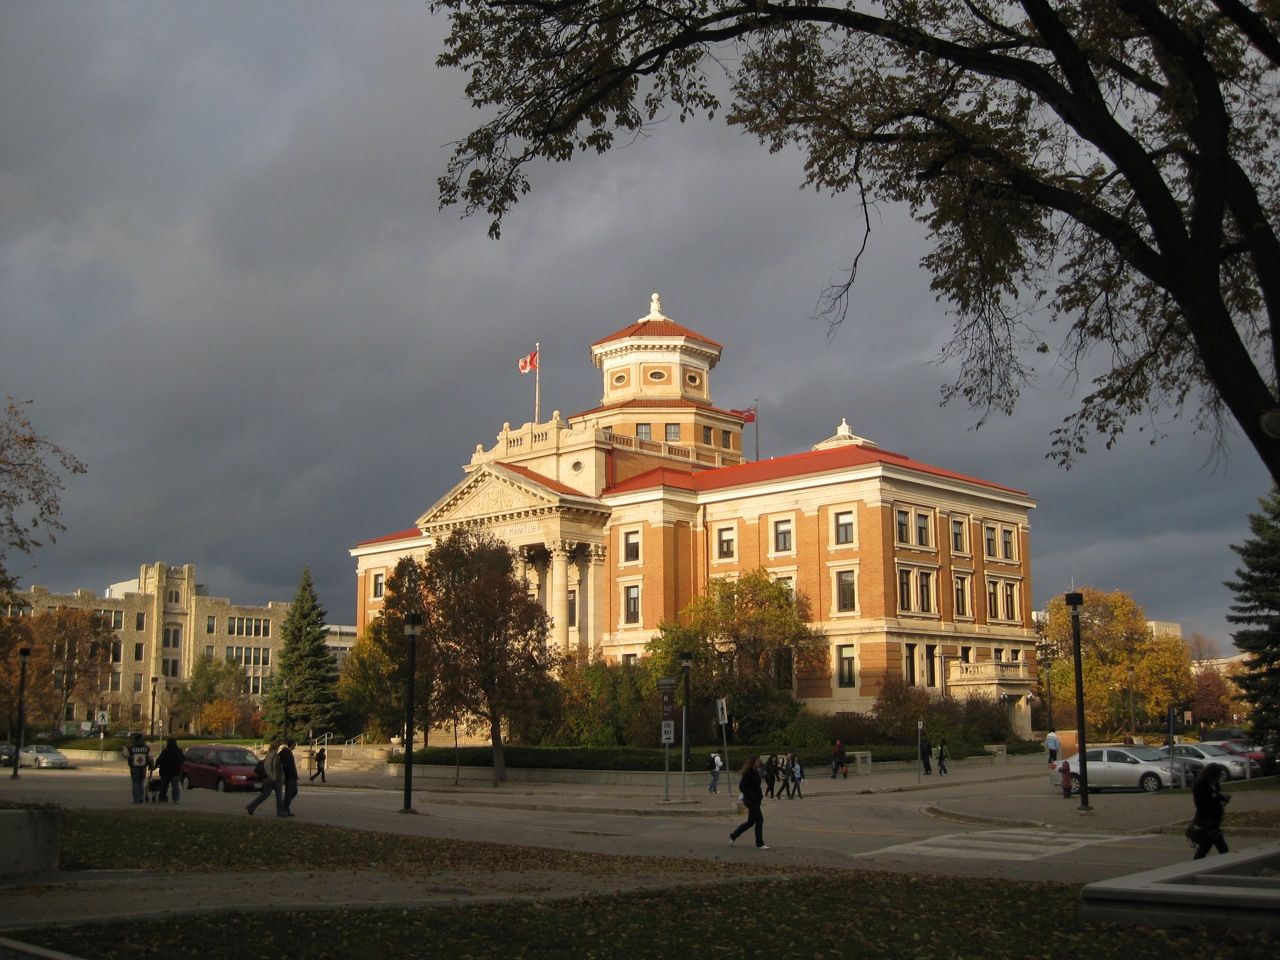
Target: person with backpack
[716, 765]
[169, 769]
[138, 754]
[268, 769]
[289, 774]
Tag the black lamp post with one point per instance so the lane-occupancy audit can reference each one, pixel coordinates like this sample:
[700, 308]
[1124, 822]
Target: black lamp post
[1075, 601]
[412, 630]
[23, 654]
[686, 661]
[154, 681]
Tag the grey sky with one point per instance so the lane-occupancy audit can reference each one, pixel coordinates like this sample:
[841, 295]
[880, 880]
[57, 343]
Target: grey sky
[225, 286]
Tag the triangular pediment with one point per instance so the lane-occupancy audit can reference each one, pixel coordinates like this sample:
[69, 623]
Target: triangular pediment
[488, 494]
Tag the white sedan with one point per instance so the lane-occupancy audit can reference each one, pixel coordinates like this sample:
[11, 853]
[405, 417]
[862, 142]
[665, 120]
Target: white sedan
[42, 755]
[1131, 767]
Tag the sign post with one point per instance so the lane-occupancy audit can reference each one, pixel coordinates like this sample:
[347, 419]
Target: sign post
[667, 687]
[100, 718]
[722, 718]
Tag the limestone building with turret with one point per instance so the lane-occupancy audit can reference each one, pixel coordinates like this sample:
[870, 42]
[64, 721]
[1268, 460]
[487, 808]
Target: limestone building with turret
[622, 514]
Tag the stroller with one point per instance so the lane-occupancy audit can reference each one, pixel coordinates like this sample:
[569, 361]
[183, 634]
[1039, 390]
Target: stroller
[151, 793]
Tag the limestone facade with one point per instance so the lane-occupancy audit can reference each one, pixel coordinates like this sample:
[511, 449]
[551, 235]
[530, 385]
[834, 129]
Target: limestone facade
[622, 513]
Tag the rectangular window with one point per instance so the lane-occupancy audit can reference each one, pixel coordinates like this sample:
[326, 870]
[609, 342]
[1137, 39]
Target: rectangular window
[266, 628]
[904, 589]
[846, 597]
[998, 655]
[924, 583]
[990, 536]
[707, 436]
[137, 683]
[139, 621]
[644, 431]
[789, 584]
[117, 651]
[782, 536]
[210, 624]
[135, 711]
[631, 546]
[1011, 601]
[909, 664]
[257, 656]
[993, 600]
[255, 684]
[673, 433]
[632, 610]
[231, 626]
[231, 654]
[904, 525]
[137, 653]
[1006, 543]
[1015, 656]
[844, 527]
[962, 596]
[931, 665]
[257, 626]
[726, 439]
[845, 666]
[115, 682]
[573, 608]
[922, 530]
[958, 528]
[208, 651]
[628, 659]
[379, 584]
[725, 543]
[966, 654]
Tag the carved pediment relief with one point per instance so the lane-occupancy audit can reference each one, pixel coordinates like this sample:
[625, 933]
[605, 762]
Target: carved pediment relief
[485, 496]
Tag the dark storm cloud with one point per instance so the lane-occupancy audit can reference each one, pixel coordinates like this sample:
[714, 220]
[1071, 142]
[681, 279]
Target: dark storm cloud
[225, 285]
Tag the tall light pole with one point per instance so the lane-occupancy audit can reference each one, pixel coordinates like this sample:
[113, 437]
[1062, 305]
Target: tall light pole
[412, 630]
[23, 654]
[1075, 601]
[154, 681]
[686, 661]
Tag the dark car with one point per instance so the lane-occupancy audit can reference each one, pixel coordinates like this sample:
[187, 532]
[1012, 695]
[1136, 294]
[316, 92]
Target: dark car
[220, 766]
[6, 754]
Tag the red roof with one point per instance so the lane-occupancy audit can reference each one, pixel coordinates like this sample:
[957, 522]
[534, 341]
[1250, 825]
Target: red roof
[794, 465]
[657, 328]
[539, 479]
[409, 534]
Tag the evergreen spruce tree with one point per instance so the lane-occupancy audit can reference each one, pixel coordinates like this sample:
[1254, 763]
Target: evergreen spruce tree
[305, 664]
[1257, 607]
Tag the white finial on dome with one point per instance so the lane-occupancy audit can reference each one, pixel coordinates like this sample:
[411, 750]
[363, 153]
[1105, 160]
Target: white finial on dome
[655, 309]
[843, 430]
[844, 436]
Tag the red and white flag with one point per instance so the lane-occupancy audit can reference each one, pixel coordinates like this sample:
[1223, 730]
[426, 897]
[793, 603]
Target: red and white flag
[748, 415]
[528, 363]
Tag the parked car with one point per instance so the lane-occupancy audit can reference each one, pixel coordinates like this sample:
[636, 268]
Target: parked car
[220, 766]
[1129, 767]
[1206, 753]
[6, 754]
[1243, 751]
[42, 755]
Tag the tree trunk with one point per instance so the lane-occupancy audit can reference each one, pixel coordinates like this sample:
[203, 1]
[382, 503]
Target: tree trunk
[499, 761]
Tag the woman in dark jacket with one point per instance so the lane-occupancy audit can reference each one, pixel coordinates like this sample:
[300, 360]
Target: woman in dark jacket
[1206, 829]
[169, 766]
[752, 797]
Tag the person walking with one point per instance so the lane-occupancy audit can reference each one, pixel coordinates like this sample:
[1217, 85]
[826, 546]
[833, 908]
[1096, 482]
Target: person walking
[1206, 829]
[752, 798]
[784, 777]
[1052, 744]
[169, 767]
[797, 775]
[839, 760]
[926, 748]
[716, 766]
[770, 774]
[942, 756]
[270, 774]
[289, 771]
[321, 759]
[138, 754]
[1065, 771]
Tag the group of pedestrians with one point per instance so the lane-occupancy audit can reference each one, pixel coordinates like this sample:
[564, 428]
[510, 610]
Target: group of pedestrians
[783, 774]
[279, 774]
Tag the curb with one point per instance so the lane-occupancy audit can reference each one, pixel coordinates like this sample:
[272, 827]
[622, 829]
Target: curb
[10, 949]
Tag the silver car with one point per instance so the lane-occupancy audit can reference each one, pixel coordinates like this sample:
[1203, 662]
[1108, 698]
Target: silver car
[1202, 754]
[1129, 767]
[42, 755]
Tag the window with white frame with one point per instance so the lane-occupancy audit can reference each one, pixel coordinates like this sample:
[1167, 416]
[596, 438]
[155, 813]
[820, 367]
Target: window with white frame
[631, 546]
[573, 608]
[726, 543]
[631, 603]
[959, 535]
[379, 585]
[726, 439]
[843, 523]
[989, 536]
[644, 431]
[846, 591]
[846, 675]
[707, 436]
[789, 582]
[930, 664]
[998, 654]
[115, 681]
[782, 536]
[1002, 599]
[628, 659]
[1006, 543]
[966, 654]
[903, 525]
[961, 583]
[923, 526]
[915, 590]
[909, 664]
[673, 432]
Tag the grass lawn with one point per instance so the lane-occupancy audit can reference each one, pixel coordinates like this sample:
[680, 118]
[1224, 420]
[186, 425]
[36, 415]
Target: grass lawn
[694, 909]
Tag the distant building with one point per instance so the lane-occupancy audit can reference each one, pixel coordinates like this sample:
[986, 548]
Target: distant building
[623, 513]
[340, 640]
[164, 621]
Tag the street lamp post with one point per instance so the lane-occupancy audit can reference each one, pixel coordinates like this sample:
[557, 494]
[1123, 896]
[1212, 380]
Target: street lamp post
[412, 629]
[1075, 601]
[154, 681]
[23, 654]
[686, 661]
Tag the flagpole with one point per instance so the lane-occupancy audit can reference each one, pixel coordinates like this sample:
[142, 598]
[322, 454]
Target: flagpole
[755, 405]
[537, 381]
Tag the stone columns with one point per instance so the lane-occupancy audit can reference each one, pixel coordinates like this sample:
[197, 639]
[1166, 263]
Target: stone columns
[558, 593]
[593, 595]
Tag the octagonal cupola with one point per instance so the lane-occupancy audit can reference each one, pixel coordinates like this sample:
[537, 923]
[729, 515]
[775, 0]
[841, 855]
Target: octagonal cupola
[656, 358]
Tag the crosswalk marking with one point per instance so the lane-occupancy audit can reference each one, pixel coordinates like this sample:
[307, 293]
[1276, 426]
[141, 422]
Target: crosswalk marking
[995, 845]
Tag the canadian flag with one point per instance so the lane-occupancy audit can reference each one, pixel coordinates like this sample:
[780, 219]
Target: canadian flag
[748, 415]
[528, 363]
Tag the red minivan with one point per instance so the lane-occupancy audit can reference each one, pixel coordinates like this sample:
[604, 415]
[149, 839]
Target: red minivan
[220, 766]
